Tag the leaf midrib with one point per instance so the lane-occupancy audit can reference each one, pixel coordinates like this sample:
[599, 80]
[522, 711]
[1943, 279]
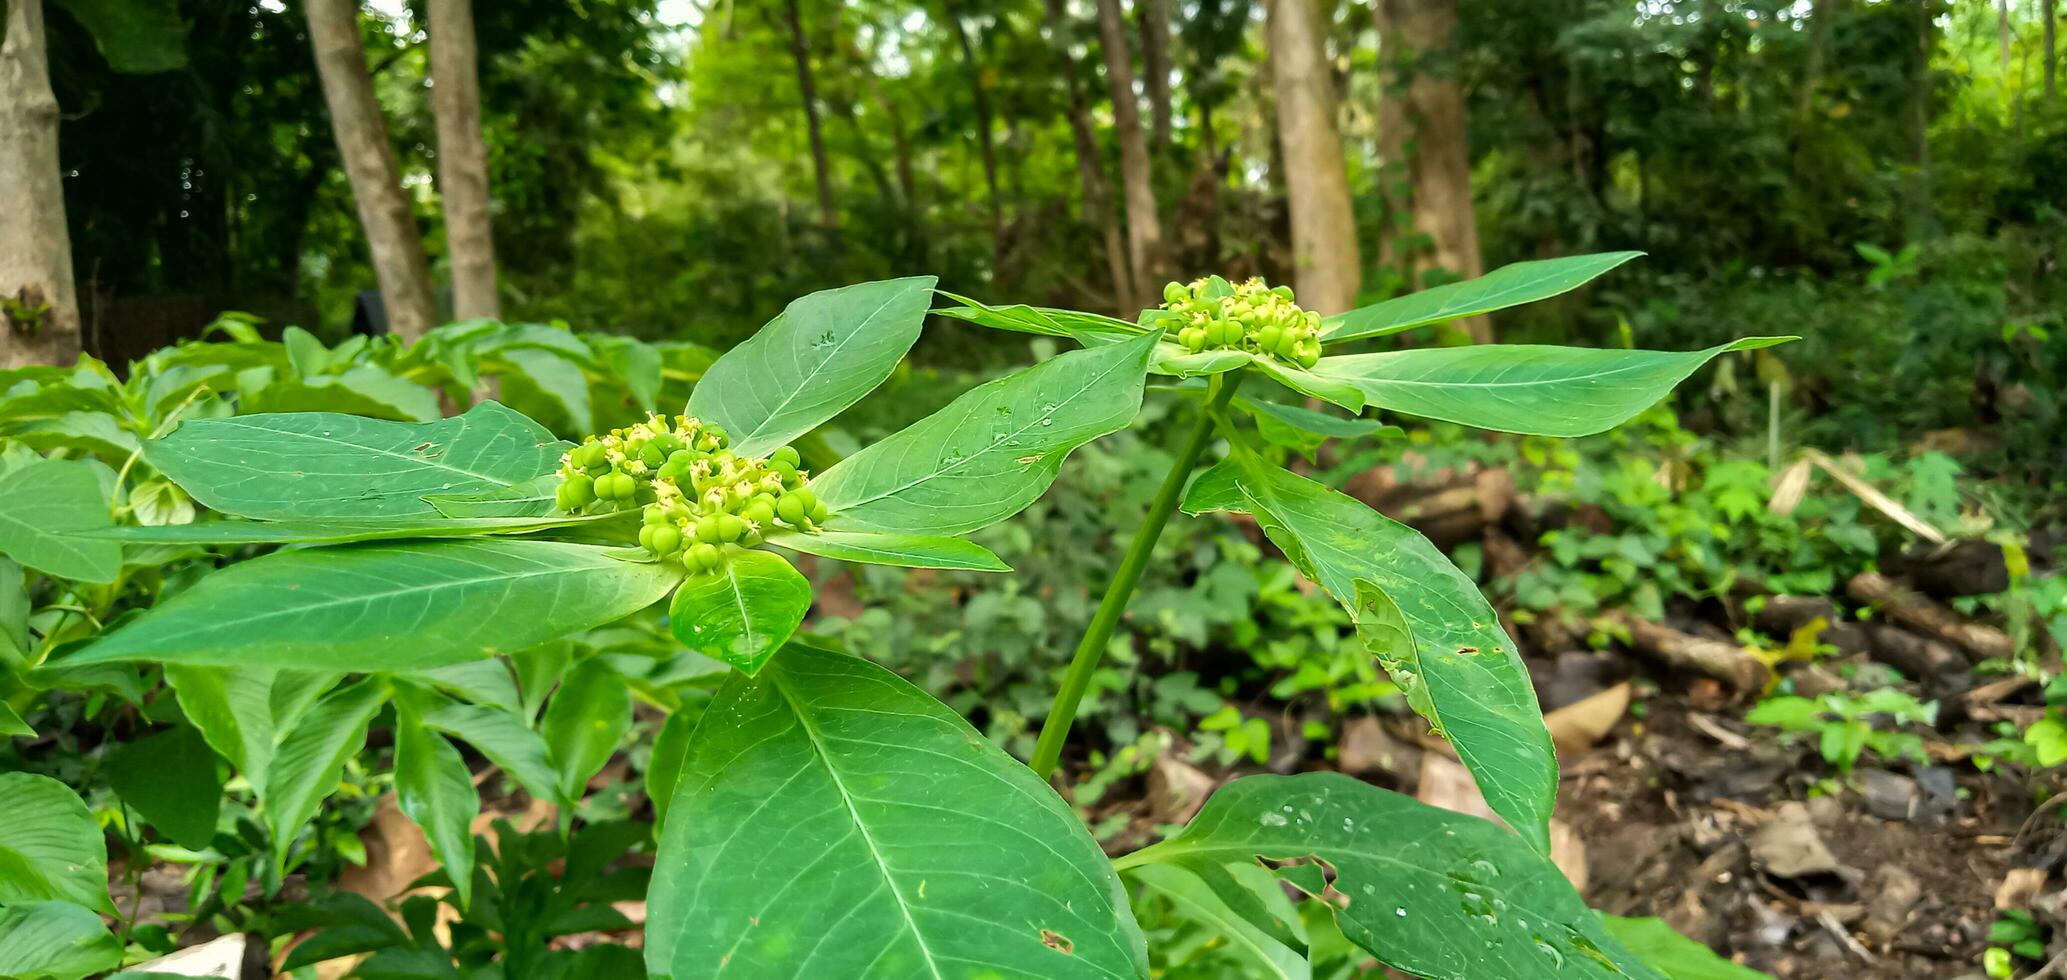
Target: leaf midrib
[796, 389]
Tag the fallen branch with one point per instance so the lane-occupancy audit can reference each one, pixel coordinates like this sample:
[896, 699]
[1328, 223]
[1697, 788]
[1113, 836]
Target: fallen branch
[1922, 615]
[1724, 661]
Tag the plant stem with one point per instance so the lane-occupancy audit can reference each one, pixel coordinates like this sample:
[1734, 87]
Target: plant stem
[1048, 750]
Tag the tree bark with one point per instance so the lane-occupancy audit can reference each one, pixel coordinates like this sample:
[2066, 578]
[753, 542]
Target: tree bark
[980, 97]
[821, 165]
[1438, 150]
[2050, 12]
[1327, 271]
[1098, 206]
[462, 160]
[39, 306]
[392, 237]
[1155, 67]
[1921, 219]
[1392, 175]
[1145, 256]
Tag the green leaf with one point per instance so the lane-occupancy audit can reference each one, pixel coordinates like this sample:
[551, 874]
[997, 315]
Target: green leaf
[319, 464]
[334, 531]
[14, 615]
[585, 722]
[506, 740]
[48, 503]
[1550, 391]
[373, 607]
[1312, 383]
[558, 380]
[1265, 955]
[170, 778]
[50, 848]
[903, 550]
[532, 498]
[1428, 625]
[1427, 891]
[55, 940]
[992, 451]
[310, 761]
[664, 768]
[822, 354]
[485, 682]
[1509, 285]
[1088, 329]
[243, 714]
[12, 725]
[138, 37]
[364, 390]
[1672, 954]
[832, 820]
[743, 612]
[435, 789]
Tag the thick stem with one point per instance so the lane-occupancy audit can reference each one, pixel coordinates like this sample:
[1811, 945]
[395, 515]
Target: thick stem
[1048, 750]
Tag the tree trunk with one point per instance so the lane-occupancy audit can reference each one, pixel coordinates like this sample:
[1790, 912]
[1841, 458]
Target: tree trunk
[1327, 270]
[1921, 220]
[821, 165]
[2049, 10]
[462, 160]
[362, 142]
[1144, 228]
[39, 308]
[1822, 16]
[1155, 66]
[1090, 165]
[1392, 175]
[980, 96]
[1437, 144]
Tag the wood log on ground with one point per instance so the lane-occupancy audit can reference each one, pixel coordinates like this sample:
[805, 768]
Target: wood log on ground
[1782, 615]
[1955, 568]
[1924, 616]
[1720, 659]
[1917, 657]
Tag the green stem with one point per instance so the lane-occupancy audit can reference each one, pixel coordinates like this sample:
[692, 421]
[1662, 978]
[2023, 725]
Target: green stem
[1048, 750]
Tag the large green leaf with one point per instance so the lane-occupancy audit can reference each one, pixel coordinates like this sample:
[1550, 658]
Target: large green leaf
[55, 940]
[335, 531]
[47, 504]
[506, 740]
[1550, 391]
[50, 848]
[244, 713]
[1264, 953]
[435, 789]
[1672, 954]
[170, 778]
[584, 723]
[387, 607]
[832, 820]
[1427, 891]
[1425, 620]
[903, 550]
[1509, 285]
[822, 354]
[743, 612]
[318, 464]
[1088, 329]
[664, 767]
[310, 760]
[992, 451]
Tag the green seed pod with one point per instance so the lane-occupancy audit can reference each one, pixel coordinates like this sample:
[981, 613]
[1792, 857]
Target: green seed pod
[666, 539]
[1216, 333]
[1282, 292]
[792, 509]
[1287, 346]
[819, 511]
[652, 455]
[705, 557]
[646, 536]
[760, 510]
[787, 455]
[707, 530]
[730, 528]
[576, 491]
[1193, 338]
[655, 515]
[780, 465]
[1267, 338]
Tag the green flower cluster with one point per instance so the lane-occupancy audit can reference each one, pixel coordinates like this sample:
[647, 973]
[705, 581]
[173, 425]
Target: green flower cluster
[697, 497]
[1250, 316]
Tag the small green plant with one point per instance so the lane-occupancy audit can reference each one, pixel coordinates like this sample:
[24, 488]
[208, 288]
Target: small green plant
[1844, 724]
[2013, 936]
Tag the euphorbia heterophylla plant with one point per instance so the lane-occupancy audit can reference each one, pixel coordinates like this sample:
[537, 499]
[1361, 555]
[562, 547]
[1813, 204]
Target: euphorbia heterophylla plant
[822, 817]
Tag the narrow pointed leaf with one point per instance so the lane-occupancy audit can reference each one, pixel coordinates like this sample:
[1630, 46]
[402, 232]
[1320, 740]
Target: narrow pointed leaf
[44, 506]
[310, 760]
[170, 778]
[50, 847]
[12, 725]
[1427, 891]
[375, 607]
[584, 723]
[904, 550]
[664, 768]
[743, 612]
[319, 464]
[1672, 954]
[1550, 391]
[1427, 623]
[55, 940]
[834, 821]
[480, 682]
[1509, 285]
[992, 451]
[503, 737]
[434, 788]
[1088, 329]
[822, 354]
[243, 714]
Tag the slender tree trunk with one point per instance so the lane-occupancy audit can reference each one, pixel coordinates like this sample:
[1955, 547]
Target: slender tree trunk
[1155, 67]
[1327, 270]
[821, 165]
[1145, 256]
[1098, 205]
[1822, 16]
[980, 96]
[392, 237]
[1921, 220]
[1438, 148]
[2002, 34]
[39, 308]
[1392, 177]
[844, 108]
[2049, 10]
[462, 160]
